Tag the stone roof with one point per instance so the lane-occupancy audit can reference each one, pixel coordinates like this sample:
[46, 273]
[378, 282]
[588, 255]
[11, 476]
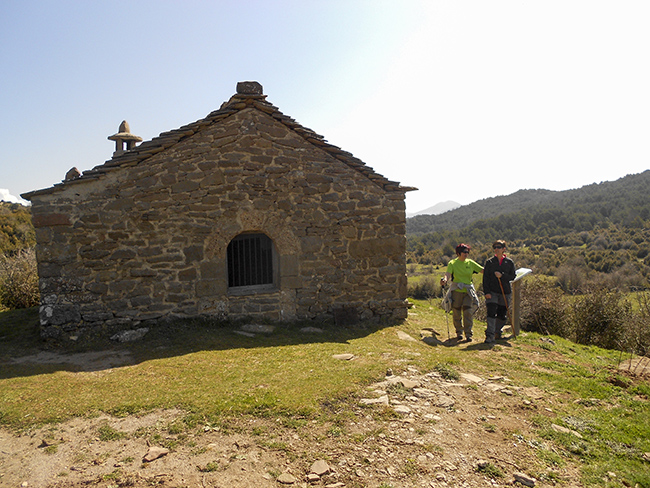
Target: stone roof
[237, 102]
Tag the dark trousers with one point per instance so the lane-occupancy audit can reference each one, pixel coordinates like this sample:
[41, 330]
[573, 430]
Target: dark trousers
[497, 314]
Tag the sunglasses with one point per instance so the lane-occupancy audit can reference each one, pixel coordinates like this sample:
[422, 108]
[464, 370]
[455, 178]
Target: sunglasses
[466, 251]
[497, 247]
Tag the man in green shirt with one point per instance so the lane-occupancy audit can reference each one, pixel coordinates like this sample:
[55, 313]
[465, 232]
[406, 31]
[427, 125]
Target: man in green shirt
[464, 300]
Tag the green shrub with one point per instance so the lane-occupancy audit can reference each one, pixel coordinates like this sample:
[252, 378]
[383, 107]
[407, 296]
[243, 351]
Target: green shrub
[602, 318]
[638, 330]
[570, 277]
[18, 280]
[424, 289]
[544, 309]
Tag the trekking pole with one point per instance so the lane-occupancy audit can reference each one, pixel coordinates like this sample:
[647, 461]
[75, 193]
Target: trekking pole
[442, 287]
[447, 321]
[505, 299]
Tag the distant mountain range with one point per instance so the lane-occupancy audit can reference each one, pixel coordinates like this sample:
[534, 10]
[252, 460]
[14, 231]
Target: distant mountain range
[437, 209]
[526, 213]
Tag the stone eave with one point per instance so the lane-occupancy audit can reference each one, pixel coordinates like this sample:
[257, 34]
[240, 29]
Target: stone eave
[238, 102]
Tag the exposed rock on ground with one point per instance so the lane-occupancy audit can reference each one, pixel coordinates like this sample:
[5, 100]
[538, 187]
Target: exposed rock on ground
[413, 429]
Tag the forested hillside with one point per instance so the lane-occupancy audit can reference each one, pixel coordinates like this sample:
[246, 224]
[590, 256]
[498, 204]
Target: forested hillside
[16, 230]
[482, 209]
[576, 234]
[625, 201]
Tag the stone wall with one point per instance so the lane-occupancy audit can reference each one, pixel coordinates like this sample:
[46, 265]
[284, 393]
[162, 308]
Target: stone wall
[147, 240]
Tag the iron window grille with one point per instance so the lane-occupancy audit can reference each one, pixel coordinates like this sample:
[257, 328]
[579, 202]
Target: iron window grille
[250, 260]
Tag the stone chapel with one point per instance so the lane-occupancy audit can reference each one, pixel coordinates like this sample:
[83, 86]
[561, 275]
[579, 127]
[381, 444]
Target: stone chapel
[244, 214]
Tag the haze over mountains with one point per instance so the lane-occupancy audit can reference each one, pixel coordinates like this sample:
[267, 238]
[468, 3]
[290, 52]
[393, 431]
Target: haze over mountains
[437, 209]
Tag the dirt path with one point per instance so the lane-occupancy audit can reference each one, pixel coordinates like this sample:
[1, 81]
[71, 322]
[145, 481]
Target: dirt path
[415, 429]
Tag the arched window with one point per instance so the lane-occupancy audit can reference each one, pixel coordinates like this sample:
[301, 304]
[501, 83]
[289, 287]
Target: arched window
[250, 261]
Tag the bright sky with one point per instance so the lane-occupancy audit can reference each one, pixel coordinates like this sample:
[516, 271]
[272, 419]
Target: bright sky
[463, 99]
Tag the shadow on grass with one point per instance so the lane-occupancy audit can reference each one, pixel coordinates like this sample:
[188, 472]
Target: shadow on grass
[436, 340]
[24, 353]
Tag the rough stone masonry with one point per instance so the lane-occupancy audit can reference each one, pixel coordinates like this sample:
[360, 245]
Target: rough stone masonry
[242, 214]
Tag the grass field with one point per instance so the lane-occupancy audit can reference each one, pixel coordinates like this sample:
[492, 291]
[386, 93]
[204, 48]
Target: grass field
[213, 373]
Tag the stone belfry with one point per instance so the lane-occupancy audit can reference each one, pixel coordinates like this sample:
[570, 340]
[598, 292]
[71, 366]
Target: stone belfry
[124, 140]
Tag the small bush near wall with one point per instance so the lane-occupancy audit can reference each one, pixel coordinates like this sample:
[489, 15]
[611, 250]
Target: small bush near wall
[18, 280]
[424, 289]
